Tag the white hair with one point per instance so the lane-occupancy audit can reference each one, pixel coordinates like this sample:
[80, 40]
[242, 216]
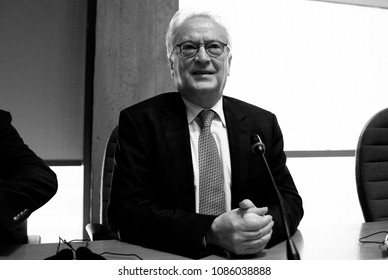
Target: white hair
[182, 16]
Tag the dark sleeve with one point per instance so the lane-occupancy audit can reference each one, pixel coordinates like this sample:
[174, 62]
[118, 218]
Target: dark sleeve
[26, 182]
[145, 206]
[292, 201]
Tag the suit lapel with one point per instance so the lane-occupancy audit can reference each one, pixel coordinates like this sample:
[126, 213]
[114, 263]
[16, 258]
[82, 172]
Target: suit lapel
[239, 146]
[177, 134]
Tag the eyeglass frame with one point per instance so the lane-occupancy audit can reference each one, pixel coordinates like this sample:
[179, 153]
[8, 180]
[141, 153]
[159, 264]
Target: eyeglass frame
[199, 46]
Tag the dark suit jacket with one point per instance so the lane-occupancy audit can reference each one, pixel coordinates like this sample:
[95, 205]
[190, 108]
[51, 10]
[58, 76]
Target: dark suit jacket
[152, 200]
[26, 183]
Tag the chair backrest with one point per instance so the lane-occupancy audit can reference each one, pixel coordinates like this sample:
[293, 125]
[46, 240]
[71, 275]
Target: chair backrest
[372, 168]
[106, 176]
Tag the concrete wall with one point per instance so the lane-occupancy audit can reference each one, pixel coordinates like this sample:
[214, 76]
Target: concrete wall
[130, 66]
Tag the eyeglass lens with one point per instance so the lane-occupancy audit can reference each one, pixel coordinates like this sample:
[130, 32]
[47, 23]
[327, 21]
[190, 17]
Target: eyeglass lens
[190, 49]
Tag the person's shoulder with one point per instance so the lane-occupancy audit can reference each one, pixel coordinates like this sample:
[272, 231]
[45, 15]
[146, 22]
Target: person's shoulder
[245, 107]
[5, 115]
[5, 118]
[156, 103]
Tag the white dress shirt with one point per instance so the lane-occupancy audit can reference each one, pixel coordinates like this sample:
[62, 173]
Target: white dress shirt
[218, 129]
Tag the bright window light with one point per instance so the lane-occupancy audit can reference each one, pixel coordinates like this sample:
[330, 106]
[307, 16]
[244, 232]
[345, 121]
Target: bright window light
[326, 185]
[63, 214]
[322, 68]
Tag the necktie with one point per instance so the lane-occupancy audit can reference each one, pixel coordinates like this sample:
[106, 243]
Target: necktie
[211, 179]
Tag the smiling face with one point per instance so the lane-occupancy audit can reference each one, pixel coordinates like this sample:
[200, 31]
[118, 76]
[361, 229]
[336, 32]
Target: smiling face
[200, 79]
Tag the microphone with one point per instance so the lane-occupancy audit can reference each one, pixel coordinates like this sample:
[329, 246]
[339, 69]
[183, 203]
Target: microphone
[257, 146]
[65, 254]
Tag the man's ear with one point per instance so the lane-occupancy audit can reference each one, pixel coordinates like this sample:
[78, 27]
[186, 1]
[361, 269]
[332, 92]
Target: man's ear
[171, 67]
[229, 63]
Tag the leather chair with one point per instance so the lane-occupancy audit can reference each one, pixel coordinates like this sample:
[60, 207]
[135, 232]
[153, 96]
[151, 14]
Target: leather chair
[99, 231]
[372, 168]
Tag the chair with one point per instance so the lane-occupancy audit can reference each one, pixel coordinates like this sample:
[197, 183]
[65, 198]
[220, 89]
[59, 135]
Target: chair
[99, 231]
[372, 168]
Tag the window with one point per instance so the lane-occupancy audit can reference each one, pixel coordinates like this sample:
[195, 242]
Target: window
[61, 216]
[321, 68]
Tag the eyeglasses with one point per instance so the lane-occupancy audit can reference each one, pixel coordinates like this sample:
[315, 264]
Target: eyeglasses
[82, 252]
[189, 49]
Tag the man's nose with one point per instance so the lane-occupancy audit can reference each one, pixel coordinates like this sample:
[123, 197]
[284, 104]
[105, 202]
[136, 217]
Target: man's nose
[202, 55]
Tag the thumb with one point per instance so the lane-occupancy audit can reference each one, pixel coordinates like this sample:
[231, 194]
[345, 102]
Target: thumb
[259, 211]
[248, 207]
[246, 204]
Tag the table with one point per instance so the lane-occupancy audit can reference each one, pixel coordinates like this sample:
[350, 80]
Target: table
[340, 242]
[42, 251]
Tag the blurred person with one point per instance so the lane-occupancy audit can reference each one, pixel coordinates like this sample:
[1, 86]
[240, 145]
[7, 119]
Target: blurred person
[26, 183]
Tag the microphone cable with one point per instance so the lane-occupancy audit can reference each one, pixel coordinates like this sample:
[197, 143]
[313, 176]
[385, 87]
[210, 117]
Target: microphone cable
[383, 243]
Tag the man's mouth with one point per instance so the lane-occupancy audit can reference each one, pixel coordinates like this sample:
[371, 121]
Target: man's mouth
[201, 72]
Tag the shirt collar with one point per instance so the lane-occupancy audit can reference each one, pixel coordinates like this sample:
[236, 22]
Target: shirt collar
[192, 110]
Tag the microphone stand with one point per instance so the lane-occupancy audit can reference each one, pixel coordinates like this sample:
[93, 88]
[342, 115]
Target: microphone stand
[258, 146]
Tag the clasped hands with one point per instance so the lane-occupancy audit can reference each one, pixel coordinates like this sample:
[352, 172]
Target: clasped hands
[242, 231]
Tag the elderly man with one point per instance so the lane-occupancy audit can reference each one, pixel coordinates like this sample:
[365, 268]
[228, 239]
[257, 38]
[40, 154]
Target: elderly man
[185, 179]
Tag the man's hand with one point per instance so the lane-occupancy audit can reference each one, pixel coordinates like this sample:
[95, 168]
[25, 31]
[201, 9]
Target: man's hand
[242, 231]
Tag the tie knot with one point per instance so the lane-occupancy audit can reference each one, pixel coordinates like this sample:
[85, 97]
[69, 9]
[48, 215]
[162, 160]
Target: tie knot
[205, 118]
